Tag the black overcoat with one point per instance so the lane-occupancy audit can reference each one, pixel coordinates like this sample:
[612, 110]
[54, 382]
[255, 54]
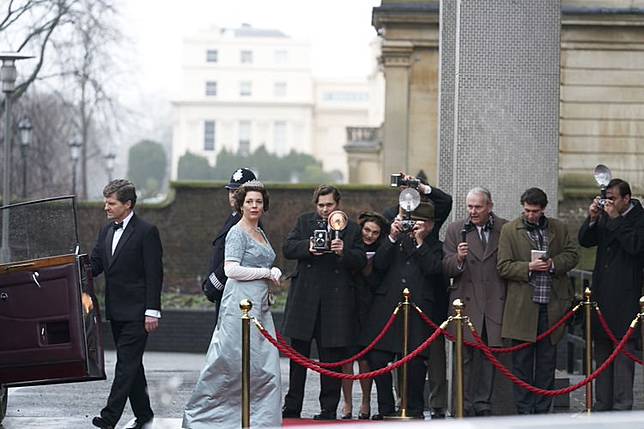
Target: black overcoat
[403, 265]
[322, 286]
[617, 276]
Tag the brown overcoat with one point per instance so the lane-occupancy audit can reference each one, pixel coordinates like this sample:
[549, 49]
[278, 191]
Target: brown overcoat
[477, 283]
[521, 315]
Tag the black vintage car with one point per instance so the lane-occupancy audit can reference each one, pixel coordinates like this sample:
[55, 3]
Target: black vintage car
[49, 316]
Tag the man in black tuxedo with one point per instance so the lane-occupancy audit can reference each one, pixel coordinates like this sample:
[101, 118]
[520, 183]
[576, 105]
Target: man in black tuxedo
[128, 251]
[213, 286]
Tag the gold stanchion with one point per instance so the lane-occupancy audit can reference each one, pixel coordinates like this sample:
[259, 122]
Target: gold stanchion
[458, 318]
[245, 305]
[405, 350]
[588, 306]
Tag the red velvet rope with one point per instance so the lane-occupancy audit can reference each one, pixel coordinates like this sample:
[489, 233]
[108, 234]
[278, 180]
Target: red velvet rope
[312, 365]
[501, 350]
[543, 392]
[354, 358]
[612, 337]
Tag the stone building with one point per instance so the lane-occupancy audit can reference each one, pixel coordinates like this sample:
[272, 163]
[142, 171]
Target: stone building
[602, 98]
[249, 87]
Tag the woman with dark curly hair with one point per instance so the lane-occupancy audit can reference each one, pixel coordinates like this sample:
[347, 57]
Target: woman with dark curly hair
[373, 227]
[216, 400]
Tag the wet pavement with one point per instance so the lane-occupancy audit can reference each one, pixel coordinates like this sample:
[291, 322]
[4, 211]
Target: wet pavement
[171, 377]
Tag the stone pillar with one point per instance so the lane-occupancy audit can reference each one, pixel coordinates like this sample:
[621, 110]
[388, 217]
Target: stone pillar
[499, 116]
[396, 62]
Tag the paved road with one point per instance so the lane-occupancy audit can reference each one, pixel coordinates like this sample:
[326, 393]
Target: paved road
[171, 377]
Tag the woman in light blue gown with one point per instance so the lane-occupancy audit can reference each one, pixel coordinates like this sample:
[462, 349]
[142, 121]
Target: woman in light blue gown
[216, 399]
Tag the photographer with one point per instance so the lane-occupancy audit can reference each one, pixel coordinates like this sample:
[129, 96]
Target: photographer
[616, 226]
[320, 303]
[408, 258]
[442, 203]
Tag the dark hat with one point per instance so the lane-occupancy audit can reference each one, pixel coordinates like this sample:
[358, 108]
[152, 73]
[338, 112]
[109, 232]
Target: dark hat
[424, 211]
[239, 177]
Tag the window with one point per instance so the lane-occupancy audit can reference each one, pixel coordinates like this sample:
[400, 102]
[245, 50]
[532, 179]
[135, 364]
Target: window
[245, 88]
[212, 56]
[209, 135]
[279, 138]
[246, 57]
[244, 138]
[279, 89]
[280, 56]
[211, 88]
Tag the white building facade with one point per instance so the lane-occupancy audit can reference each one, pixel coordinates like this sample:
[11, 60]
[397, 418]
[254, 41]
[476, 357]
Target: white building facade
[244, 88]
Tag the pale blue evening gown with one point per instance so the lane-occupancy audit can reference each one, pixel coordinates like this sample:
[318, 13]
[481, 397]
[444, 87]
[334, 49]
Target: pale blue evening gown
[216, 399]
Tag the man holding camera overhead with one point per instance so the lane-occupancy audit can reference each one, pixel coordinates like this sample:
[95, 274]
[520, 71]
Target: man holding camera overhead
[442, 203]
[408, 258]
[616, 226]
[320, 303]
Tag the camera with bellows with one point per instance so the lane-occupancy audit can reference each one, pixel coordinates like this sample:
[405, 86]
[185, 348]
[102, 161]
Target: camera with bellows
[603, 176]
[321, 238]
[398, 180]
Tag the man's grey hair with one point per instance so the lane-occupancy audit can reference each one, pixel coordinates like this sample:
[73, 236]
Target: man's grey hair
[480, 190]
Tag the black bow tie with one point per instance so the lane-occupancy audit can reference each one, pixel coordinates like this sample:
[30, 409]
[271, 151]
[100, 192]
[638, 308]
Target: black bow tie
[117, 226]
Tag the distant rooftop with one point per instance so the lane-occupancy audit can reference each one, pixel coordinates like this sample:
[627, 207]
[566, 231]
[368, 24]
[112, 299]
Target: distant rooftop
[246, 30]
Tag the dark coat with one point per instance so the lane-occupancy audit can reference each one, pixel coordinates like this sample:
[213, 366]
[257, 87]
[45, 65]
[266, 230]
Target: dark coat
[134, 274]
[366, 281]
[322, 286]
[404, 266]
[617, 276]
[477, 283]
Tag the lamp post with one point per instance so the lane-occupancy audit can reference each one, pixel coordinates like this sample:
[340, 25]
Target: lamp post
[74, 147]
[109, 164]
[25, 128]
[8, 75]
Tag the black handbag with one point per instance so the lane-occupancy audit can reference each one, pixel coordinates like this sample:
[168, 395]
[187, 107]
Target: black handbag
[210, 291]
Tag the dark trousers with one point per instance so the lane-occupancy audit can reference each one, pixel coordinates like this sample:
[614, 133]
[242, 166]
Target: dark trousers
[416, 370]
[329, 387]
[437, 365]
[478, 375]
[129, 376]
[536, 366]
[614, 387]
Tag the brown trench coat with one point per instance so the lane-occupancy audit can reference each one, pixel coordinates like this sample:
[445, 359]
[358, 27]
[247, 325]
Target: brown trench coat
[477, 283]
[521, 315]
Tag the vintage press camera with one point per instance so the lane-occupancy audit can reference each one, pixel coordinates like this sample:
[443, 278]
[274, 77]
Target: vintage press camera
[398, 180]
[409, 200]
[603, 176]
[321, 238]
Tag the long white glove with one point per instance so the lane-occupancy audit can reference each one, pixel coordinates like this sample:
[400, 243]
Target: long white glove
[235, 271]
[276, 273]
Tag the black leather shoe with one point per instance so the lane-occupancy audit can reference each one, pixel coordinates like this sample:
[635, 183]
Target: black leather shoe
[438, 413]
[99, 422]
[325, 415]
[363, 416]
[140, 423]
[382, 416]
[290, 414]
[483, 413]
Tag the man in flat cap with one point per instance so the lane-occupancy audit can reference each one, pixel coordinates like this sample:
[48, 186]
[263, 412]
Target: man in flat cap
[408, 258]
[213, 285]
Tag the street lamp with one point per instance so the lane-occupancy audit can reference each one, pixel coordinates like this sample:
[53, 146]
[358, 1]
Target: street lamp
[109, 164]
[74, 147]
[24, 126]
[8, 74]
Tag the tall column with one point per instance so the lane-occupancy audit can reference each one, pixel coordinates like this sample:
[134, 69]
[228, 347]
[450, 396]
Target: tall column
[499, 121]
[396, 62]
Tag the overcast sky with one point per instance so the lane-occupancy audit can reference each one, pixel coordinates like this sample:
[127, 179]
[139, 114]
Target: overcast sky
[339, 31]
